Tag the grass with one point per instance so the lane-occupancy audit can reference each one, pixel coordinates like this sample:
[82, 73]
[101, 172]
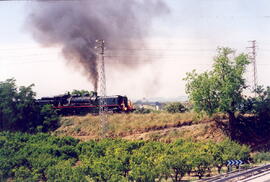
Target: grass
[198, 132]
[128, 123]
[153, 126]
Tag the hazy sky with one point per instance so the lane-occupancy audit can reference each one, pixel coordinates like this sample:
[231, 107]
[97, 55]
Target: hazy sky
[179, 42]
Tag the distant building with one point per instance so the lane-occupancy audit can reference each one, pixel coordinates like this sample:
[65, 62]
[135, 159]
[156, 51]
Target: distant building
[149, 105]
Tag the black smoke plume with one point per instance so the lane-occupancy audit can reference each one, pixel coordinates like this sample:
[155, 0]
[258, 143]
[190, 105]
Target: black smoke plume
[75, 25]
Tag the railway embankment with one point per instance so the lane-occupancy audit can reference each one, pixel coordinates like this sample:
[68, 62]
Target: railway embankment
[164, 127]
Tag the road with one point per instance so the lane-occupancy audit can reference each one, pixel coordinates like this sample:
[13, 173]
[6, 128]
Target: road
[255, 174]
[263, 177]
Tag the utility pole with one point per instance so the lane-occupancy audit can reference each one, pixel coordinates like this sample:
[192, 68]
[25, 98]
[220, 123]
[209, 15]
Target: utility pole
[102, 88]
[253, 60]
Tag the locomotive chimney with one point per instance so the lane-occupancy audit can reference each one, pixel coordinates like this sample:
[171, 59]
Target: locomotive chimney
[94, 94]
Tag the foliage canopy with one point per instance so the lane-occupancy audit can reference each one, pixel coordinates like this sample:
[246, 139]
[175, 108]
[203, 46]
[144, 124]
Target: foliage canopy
[219, 90]
[18, 111]
[83, 92]
[41, 157]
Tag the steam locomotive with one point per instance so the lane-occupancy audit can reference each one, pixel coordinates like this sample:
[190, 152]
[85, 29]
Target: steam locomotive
[73, 104]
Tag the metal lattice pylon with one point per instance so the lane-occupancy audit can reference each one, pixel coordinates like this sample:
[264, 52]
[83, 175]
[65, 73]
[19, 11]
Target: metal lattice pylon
[102, 89]
[253, 61]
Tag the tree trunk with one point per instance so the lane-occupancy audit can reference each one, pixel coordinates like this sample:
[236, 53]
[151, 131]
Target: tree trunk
[1, 122]
[219, 169]
[232, 125]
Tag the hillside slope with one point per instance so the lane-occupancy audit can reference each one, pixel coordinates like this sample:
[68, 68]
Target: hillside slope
[154, 126]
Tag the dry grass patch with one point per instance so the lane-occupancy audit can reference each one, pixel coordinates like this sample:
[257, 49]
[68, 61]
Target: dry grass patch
[120, 125]
[198, 132]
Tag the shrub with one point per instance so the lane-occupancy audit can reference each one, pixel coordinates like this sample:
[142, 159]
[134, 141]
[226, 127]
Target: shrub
[175, 107]
[261, 156]
[142, 110]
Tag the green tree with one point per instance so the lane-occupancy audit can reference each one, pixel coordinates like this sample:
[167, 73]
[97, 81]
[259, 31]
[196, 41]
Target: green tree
[18, 111]
[219, 90]
[178, 160]
[200, 157]
[16, 106]
[146, 163]
[64, 171]
[216, 151]
[23, 174]
[259, 105]
[227, 150]
[49, 119]
[82, 92]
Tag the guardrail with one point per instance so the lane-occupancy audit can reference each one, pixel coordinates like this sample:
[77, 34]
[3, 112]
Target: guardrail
[239, 175]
